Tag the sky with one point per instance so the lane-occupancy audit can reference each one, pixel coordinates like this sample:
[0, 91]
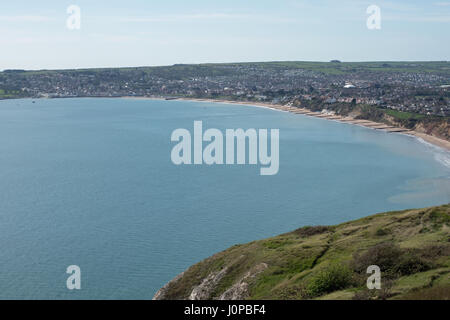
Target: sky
[34, 34]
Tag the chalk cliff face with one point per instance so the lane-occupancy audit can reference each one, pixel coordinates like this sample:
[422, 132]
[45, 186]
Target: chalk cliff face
[411, 248]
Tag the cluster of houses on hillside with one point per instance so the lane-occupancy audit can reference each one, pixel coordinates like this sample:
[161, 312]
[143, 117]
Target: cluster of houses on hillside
[424, 92]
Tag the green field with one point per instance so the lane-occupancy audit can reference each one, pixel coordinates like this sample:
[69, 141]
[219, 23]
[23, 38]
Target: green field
[354, 67]
[8, 94]
[404, 115]
[217, 69]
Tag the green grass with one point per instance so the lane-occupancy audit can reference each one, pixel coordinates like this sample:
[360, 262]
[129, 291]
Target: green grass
[334, 278]
[352, 67]
[404, 115]
[181, 71]
[330, 262]
[9, 94]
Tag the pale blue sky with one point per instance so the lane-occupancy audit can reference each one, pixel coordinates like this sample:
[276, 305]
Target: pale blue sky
[33, 34]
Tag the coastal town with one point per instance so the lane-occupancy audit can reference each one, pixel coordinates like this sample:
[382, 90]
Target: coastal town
[403, 97]
[409, 87]
[225, 159]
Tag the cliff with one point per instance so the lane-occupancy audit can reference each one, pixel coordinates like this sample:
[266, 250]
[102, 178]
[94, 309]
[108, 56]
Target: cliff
[412, 249]
[435, 126]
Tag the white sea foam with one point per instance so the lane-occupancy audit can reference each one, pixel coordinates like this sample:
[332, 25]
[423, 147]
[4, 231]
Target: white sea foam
[440, 154]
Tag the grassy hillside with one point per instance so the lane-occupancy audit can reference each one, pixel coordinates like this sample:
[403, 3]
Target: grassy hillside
[354, 67]
[411, 247]
[180, 71]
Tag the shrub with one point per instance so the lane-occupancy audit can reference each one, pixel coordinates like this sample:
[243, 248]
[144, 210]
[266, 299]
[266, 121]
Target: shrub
[383, 294]
[381, 232]
[335, 277]
[384, 255]
[434, 252]
[410, 262]
[392, 260]
[311, 231]
[364, 295]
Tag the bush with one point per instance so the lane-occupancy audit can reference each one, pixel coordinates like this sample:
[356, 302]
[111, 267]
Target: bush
[410, 262]
[335, 277]
[381, 232]
[392, 260]
[383, 294]
[434, 252]
[384, 255]
[311, 231]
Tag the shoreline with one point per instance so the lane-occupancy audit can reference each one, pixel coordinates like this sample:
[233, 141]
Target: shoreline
[435, 141]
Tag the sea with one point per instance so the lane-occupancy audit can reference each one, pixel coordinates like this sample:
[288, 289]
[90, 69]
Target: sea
[90, 182]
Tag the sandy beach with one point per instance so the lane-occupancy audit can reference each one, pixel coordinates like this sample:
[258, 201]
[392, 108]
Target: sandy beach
[441, 143]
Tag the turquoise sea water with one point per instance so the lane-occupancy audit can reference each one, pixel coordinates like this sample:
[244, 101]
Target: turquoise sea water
[90, 182]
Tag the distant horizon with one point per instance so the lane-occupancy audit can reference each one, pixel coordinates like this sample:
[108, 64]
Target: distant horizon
[219, 63]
